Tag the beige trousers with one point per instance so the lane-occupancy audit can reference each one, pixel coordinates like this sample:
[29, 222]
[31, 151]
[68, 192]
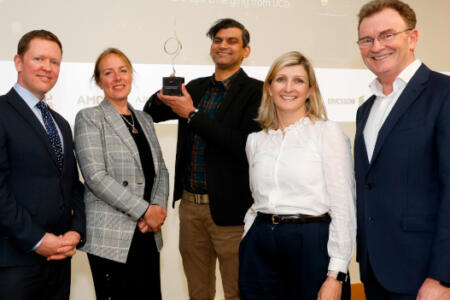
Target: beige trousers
[202, 242]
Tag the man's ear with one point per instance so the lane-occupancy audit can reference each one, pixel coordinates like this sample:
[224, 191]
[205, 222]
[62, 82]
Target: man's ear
[18, 63]
[413, 38]
[247, 51]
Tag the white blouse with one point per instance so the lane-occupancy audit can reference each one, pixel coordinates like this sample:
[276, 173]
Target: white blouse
[308, 171]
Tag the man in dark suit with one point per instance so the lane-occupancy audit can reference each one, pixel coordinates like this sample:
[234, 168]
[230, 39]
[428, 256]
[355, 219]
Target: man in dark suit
[42, 216]
[402, 166]
[215, 115]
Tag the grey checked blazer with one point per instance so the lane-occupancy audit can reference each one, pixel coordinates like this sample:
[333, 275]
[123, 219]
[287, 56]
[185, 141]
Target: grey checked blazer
[114, 179]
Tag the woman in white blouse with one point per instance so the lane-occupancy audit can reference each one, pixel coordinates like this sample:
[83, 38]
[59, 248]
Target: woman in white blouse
[300, 232]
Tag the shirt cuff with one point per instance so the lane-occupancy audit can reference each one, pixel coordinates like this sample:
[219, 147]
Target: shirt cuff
[37, 244]
[338, 265]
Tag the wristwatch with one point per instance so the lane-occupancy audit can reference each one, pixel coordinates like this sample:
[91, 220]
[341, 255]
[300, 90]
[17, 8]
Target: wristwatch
[191, 115]
[339, 276]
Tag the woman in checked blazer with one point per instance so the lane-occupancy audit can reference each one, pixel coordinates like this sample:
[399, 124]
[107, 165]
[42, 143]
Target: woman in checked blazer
[127, 186]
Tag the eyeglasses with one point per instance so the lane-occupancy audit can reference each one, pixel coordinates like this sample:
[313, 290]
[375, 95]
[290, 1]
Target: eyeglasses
[382, 38]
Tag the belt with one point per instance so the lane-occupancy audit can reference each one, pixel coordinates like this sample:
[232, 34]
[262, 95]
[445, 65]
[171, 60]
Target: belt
[196, 198]
[293, 219]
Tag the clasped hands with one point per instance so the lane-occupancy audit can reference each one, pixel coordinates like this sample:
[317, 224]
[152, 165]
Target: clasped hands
[59, 247]
[181, 105]
[153, 219]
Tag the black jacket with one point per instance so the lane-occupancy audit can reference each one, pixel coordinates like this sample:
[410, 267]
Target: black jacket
[226, 135]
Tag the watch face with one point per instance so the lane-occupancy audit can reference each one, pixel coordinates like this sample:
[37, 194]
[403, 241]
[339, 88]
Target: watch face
[191, 115]
[342, 277]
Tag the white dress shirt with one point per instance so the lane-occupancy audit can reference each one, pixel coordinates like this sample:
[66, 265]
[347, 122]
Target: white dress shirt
[308, 171]
[383, 105]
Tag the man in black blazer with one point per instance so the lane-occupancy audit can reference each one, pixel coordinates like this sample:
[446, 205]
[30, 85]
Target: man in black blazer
[215, 115]
[42, 216]
[402, 166]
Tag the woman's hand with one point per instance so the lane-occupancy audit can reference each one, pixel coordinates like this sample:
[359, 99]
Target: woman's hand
[154, 217]
[331, 290]
[143, 227]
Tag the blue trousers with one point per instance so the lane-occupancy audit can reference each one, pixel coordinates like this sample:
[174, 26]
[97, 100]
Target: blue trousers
[284, 261]
[44, 281]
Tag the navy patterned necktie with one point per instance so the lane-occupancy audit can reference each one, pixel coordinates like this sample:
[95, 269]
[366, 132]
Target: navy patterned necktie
[52, 132]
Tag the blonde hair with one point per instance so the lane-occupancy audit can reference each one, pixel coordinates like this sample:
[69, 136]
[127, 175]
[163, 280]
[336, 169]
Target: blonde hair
[315, 110]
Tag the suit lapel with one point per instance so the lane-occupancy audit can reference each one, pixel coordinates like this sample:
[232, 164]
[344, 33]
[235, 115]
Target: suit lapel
[29, 117]
[114, 119]
[360, 142]
[197, 94]
[410, 94]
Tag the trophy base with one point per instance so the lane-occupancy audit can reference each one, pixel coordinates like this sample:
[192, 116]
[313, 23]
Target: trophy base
[172, 86]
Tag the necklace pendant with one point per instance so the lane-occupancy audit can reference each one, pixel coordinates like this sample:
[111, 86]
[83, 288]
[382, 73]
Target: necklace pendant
[134, 131]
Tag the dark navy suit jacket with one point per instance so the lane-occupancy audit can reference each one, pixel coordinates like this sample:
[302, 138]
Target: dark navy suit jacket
[403, 195]
[35, 196]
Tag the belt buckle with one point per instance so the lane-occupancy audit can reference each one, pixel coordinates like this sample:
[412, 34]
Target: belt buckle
[274, 221]
[199, 199]
[196, 199]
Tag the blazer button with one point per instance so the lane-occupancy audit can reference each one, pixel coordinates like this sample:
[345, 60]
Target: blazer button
[125, 183]
[368, 186]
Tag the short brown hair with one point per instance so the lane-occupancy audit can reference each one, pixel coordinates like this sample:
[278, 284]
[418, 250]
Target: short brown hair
[375, 6]
[315, 110]
[24, 42]
[105, 53]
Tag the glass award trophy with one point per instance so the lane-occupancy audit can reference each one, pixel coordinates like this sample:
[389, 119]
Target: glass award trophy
[172, 84]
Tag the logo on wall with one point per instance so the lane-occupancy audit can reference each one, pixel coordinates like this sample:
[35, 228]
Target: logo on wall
[341, 101]
[86, 101]
[360, 100]
[90, 100]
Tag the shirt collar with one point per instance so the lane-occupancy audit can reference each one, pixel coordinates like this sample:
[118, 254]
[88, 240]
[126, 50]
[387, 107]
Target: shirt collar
[30, 99]
[224, 84]
[304, 121]
[402, 79]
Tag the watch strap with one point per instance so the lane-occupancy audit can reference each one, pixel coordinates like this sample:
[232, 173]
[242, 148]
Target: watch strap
[339, 276]
[191, 115]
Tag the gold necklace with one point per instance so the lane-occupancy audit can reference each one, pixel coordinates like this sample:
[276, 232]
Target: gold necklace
[133, 129]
